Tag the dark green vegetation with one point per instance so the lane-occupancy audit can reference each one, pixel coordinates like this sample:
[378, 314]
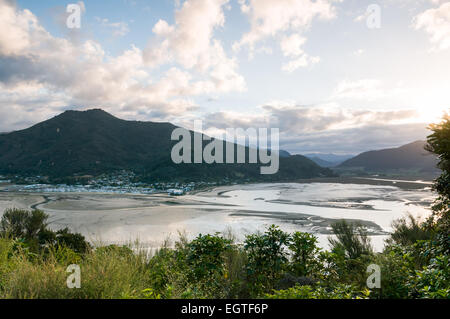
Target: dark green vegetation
[273, 264]
[74, 144]
[410, 159]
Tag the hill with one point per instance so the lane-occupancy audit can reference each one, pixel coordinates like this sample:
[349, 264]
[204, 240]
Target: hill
[328, 160]
[412, 158]
[93, 142]
[322, 162]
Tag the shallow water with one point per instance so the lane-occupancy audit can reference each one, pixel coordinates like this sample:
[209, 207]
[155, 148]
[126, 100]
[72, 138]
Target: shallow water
[376, 207]
[241, 209]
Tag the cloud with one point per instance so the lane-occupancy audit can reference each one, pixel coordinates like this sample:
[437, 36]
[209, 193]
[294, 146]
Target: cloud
[325, 127]
[356, 140]
[272, 18]
[119, 29]
[63, 74]
[190, 43]
[291, 46]
[436, 22]
[364, 89]
[358, 52]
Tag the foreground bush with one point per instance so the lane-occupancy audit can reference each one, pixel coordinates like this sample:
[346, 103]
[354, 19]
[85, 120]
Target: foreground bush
[269, 265]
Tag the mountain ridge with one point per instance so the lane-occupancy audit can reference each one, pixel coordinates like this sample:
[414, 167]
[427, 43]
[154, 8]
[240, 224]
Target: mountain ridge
[411, 156]
[93, 142]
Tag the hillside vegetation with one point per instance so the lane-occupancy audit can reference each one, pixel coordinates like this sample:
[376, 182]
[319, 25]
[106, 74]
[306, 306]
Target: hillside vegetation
[411, 158]
[94, 142]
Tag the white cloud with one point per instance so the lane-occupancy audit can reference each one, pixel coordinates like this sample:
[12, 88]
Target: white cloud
[190, 43]
[436, 22]
[327, 127]
[365, 89]
[272, 18]
[291, 46]
[300, 62]
[17, 27]
[292, 118]
[60, 73]
[119, 29]
[359, 52]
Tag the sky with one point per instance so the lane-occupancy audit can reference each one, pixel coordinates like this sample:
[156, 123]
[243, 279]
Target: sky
[335, 76]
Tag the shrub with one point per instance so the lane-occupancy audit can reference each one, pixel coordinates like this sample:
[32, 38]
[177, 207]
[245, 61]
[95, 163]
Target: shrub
[19, 223]
[340, 291]
[408, 231]
[267, 258]
[304, 254]
[352, 241]
[206, 256]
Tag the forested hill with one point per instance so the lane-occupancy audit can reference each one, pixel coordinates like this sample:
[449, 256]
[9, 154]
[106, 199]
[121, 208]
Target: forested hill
[412, 157]
[92, 142]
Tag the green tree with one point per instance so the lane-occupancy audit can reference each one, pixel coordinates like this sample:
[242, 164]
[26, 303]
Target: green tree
[74, 241]
[206, 256]
[19, 223]
[439, 144]
[351, 240]
[304, 254]
[267, 258]
[407, 231]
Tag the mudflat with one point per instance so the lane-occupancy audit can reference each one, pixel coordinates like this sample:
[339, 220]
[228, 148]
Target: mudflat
[242, 209]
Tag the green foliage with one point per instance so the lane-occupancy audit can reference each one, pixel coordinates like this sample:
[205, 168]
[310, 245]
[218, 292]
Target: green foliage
[75, 242]
[206, 257]
[304, 254]
[309, 292]
[352, 241]
[434, 280]
[205, 260]
[439, 144]
[163, 272]
[19, 223]
[267, 258]
[407, 232]
[30, 229]
[397, 265]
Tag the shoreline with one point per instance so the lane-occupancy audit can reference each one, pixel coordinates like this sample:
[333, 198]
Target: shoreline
[310, 206]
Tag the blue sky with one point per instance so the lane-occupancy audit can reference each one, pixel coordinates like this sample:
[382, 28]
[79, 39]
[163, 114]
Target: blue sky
[317, 70]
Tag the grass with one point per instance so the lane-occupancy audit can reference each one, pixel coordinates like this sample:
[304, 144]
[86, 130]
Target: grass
[217, 267]
[107, 272]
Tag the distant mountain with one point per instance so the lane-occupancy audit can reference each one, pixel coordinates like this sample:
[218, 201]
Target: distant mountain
[411, 157]
[284, 153]
[328, 160]
[322, 163]
[92, 142]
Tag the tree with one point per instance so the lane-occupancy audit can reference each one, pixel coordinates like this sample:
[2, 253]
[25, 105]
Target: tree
[267, 258]
[74, 241]
[31, 228]
[206, 256]
[439, 144]
[352, 240]
[304, 254]
[407, 231]
[19, 223]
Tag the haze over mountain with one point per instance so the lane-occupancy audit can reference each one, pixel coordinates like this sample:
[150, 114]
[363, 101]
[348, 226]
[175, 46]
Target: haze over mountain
[92, 142]
[411, 158]
[321, 162]
[328, 160]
